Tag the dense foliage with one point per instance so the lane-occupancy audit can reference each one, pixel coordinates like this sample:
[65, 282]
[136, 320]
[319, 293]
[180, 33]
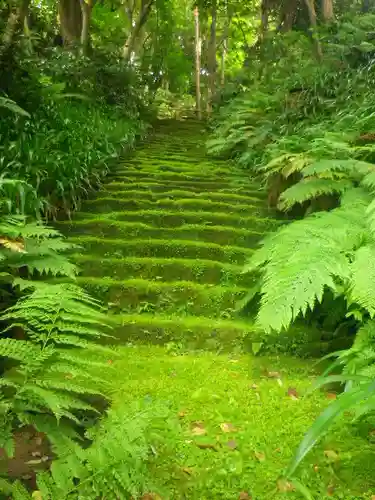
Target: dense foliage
[302, 124]
[289, 88]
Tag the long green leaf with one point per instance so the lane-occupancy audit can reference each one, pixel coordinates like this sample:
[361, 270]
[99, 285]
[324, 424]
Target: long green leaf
[325, 420]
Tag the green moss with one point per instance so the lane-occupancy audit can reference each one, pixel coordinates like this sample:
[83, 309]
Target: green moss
[182, 297]
[176, 194]
[160, 218]
[191, 187]
[172, 269]
[162, 248]
[115, 202]
[194, 332]
[221, 235]
[218, 389]
[174, 179]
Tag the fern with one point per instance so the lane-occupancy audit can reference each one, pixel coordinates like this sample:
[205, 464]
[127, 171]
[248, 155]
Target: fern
[116, 464]
[310, 188]
[59, 362]
[317, 250]
[35, 246]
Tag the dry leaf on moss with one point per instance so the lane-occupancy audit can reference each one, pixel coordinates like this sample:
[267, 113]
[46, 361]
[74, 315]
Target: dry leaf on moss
[284, 486]
[227, 427]
[198, 429]
[292, 393]
[260, 456]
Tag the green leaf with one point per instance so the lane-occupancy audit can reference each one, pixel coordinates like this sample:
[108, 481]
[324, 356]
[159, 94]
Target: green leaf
[326, 419]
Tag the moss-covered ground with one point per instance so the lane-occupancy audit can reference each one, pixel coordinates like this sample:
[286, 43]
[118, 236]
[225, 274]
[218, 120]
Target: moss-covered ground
[163, 245]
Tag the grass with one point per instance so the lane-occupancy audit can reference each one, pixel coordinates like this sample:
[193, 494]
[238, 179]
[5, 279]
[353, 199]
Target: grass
[218, 389]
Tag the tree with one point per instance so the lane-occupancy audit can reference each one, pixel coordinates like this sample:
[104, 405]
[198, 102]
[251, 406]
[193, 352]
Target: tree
[197, 63]
[70, 16]
[15, 20]
[136, 25]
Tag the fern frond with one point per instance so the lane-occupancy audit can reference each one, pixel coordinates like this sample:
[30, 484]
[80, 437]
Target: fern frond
[362, 287]
[310, 188]
[316, 250]
[330, 169]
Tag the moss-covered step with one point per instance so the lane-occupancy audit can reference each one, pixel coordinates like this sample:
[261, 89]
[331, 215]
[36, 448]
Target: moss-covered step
[115, 203]
[179, 194]
[222, 235]
[215, 182]
[162, 248]
[182, 297]
[163, 269]
[192, 332]
[177, 167]
[249, 190]
[160, 218]
[188, 175]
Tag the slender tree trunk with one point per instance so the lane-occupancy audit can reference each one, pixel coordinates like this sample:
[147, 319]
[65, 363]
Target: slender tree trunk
[86, 10]
[197, 64]
[212, 59]
[263, 19]
[136, 29]
[70, 15]
[312, 17]
[288, 15]
[327, 11]
[223, 58]
[16, 19]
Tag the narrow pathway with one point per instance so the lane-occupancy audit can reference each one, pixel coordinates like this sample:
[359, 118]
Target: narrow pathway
[166, 238]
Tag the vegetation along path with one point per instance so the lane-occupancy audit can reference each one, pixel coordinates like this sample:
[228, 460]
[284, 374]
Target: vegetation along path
[163, 244]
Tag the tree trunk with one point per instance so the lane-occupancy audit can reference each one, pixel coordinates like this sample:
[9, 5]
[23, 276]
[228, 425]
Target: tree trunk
[70, 15]
[197, 64]
[327, 11]
[223, 58]
[288, 15]
[263, 19]
[312, 18]
[212, 59]
[86, 10]
[16, 19]
[136, 29]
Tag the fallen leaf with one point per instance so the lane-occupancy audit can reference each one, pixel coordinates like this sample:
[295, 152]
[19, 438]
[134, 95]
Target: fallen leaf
[260, 456]
[292, 393]
[273, 374]
[283, 485]
[187, 470]
[227, 427]
[330, 490]
[331, 455]
[182, 414]
[198, 429]
[232, 444]
[373, 497]
[331, 395]
[207, 446]
[244, 496]
[151, 496]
